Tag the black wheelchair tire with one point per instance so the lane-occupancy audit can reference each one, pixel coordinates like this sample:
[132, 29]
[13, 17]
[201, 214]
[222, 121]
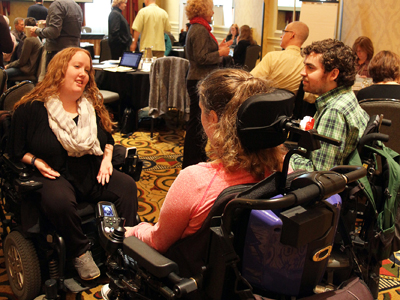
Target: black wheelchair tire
[22, 265]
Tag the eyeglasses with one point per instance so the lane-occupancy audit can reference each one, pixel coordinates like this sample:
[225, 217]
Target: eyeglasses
[284, 31]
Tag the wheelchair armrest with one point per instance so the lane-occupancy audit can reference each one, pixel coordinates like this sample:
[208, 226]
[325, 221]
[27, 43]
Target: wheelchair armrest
[23, 183]
[148, 258]
[17, 167]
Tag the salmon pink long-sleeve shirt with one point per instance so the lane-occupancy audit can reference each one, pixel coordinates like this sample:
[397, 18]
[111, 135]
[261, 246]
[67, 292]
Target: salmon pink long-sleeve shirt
[187, 204]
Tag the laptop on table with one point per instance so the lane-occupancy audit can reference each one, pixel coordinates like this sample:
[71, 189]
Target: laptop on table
[129, 62]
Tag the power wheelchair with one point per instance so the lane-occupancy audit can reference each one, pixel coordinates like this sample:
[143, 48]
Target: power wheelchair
[34, 252]
[253, 244]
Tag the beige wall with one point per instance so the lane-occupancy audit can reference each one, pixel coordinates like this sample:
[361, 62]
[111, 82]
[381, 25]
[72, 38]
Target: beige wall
[20, 9]
[252, 15]
[379, 20]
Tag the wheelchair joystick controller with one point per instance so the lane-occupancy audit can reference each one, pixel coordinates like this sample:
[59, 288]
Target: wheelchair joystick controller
[111, 227]
[119, 233]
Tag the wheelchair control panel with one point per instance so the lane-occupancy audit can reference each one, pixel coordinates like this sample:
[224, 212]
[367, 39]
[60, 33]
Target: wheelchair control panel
[111, 227]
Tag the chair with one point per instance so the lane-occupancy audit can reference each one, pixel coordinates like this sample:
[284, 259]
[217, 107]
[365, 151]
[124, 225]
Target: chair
[253, 52]
[168, 86]
[86, 29]
[39, 67]
[110, 98]
[3, 80]
[390, 108]
[105, 51]
[14, 94]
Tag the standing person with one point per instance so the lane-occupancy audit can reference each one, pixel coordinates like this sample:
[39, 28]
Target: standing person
[244, 39]
[6, 43]
[119, 35]
[63, 27]
[63, 130]
[30, 56]
[329, 72]
[37, 11]
[204, 54]
[151, 23]
[232, 35]
[364, 49]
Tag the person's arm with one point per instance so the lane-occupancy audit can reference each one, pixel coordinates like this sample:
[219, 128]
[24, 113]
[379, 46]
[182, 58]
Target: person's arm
[174, 215]
[133, 46]
[6, 44]
[41, 165]
[331, 124]
[106, 167]
[53, 24]
[17, 142]
[27, 48]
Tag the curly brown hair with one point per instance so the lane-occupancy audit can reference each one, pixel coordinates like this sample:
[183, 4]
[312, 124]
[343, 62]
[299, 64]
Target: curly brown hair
[366, 44]
[335, 55]
[54, 79]
[223, 91]
[384, 67]
[198, 8]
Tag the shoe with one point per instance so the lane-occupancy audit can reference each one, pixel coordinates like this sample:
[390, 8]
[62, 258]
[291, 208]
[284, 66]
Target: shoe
[86, 267]
[104, 291]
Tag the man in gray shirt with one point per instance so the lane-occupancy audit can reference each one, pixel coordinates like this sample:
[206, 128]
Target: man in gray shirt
[63, 27]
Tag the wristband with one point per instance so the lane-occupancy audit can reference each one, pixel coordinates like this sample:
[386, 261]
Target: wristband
[33, 160]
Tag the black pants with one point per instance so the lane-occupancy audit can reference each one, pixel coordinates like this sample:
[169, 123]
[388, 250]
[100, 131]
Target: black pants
[195, 141]
[58, 201]
[117, 50]
[49, 56]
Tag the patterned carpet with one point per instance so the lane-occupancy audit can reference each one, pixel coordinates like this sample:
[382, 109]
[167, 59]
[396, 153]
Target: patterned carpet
[162, 156]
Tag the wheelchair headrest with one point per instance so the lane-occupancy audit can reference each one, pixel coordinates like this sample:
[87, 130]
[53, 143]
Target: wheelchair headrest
[258, 119]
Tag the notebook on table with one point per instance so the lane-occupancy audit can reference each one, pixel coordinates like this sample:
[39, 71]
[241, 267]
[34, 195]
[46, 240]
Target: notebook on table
[129, 62]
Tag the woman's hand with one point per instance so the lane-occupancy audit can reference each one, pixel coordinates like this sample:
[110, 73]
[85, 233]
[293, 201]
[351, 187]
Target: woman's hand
[225, 43]
[45, 169]
[106, 169]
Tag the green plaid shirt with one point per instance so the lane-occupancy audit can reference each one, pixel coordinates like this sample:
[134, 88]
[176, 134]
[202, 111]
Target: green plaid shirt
[338, 116]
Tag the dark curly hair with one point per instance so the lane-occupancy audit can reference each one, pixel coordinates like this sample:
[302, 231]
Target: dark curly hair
[335, 55]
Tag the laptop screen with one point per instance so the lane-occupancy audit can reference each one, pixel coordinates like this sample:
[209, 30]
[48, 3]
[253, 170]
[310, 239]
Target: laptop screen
[131, 59]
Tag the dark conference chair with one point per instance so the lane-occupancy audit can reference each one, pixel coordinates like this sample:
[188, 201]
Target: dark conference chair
[3, 80]
[253, 52]
[14, 94]
[390, 109]
[105, 51]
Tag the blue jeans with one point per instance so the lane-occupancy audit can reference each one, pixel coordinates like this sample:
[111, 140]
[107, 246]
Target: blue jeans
[13, 72]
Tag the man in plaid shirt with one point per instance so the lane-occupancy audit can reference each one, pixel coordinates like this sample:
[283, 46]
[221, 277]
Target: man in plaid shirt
[329, 72]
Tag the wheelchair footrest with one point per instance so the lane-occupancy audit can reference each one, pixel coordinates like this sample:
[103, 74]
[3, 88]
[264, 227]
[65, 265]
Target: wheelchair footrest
[77, 287]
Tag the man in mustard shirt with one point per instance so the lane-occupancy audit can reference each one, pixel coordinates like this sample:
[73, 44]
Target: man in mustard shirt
[151, 23]
[284, 67]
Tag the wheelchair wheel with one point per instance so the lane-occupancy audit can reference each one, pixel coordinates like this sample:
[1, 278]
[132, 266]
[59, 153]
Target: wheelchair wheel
[22, 265]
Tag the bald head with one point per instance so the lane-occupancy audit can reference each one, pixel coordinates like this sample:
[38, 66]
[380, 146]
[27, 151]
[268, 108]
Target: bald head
[300, 31]
[148, 2]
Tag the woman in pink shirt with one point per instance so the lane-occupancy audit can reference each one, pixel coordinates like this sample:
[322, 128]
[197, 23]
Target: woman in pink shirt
[194, 191]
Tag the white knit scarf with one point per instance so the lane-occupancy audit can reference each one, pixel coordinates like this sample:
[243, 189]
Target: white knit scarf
[78, 139]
